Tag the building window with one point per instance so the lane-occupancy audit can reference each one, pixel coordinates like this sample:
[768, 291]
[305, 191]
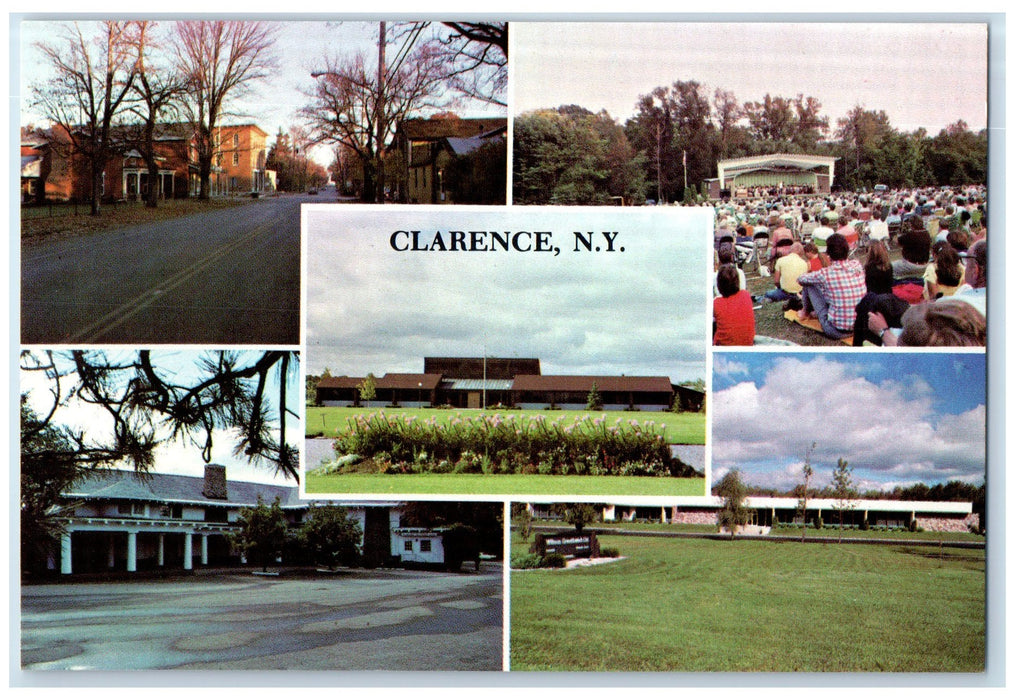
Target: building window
[130, 509]
[424, 545]
[407, 546]
[236, 140]
[236, 157]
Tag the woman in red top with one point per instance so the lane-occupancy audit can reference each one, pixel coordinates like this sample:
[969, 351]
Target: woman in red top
[733, 311]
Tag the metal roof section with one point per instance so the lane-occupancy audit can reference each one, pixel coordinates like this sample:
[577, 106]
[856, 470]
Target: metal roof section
[119, 484]
[476, 384]
[737, 166]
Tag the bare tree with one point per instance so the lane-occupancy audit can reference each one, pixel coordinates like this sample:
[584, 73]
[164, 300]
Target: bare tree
[158, 90]
[477, 53]
[93, 75]
[221, 59]
[350, 106]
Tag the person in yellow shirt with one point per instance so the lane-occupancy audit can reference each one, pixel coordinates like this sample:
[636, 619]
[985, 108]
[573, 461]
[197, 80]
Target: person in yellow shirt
[788, 269]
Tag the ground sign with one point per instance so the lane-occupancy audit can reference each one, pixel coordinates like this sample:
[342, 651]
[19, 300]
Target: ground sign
[572, 544]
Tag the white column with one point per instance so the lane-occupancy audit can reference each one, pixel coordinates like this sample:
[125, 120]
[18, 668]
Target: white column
[162, 550]
[65, 553]
[131, 551]
[188, 551]
[204, 550]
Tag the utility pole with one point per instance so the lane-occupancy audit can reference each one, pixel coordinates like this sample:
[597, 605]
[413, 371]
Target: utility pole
[381, 70]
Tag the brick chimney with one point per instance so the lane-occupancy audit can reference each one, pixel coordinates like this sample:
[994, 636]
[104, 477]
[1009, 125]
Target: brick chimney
[214, 481]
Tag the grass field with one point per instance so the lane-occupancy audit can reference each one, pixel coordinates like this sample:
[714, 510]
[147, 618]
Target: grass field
[704, 605]
[502, 484]
[681, 428]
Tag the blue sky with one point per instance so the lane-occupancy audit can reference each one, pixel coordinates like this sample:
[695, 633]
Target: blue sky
[897, 418]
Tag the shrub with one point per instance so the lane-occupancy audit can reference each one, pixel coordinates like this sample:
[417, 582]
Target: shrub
[554, 560]
[818, 523]
[609, 552]
[913, 526]
[530, 560]
[865, 525]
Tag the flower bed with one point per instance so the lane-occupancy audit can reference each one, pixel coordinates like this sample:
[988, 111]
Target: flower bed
[511, 444]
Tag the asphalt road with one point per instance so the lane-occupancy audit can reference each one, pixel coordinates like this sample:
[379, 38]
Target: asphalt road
[360, 620]
[227, 277]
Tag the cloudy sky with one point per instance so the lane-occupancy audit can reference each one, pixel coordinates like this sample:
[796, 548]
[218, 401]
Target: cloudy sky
[641, 311]
[177, 457]
[921, 75]
[897, 418]
[300, 48]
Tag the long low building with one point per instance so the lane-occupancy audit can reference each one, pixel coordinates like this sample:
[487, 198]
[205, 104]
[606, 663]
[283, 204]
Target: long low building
[471, 382]
[935, 516]
[117, 520]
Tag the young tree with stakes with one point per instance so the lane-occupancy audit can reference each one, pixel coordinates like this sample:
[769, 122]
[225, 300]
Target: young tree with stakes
[843, 490]
[802, 491]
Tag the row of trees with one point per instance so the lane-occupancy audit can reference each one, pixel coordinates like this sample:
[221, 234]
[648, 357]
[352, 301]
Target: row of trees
[677, 135]
[330, 537]
[114, 82]
[289, 157]
[734, 513]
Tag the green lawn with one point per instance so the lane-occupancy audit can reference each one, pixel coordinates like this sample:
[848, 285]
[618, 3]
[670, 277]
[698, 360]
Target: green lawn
[681, 428]
[705, 605]
[502, 484]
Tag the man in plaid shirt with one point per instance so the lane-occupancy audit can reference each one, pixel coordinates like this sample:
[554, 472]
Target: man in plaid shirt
[832, 293]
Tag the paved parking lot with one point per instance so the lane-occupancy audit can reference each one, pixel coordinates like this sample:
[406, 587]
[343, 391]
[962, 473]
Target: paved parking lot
[356, 620]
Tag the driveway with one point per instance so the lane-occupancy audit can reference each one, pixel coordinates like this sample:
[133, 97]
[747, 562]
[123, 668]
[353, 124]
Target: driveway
[353, 620]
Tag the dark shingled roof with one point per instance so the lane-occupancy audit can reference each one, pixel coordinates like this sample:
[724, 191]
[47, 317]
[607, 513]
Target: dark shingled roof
[119, 484]
[548, 382]
[472, 367]
[408, 381]
[342, 382]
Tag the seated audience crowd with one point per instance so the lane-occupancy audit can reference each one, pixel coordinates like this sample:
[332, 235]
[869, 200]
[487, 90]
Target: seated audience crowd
[830, 259]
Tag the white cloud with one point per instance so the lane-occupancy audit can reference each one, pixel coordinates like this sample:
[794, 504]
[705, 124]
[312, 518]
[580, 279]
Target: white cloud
[640, 311]
[723, 366]
[887, 431]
